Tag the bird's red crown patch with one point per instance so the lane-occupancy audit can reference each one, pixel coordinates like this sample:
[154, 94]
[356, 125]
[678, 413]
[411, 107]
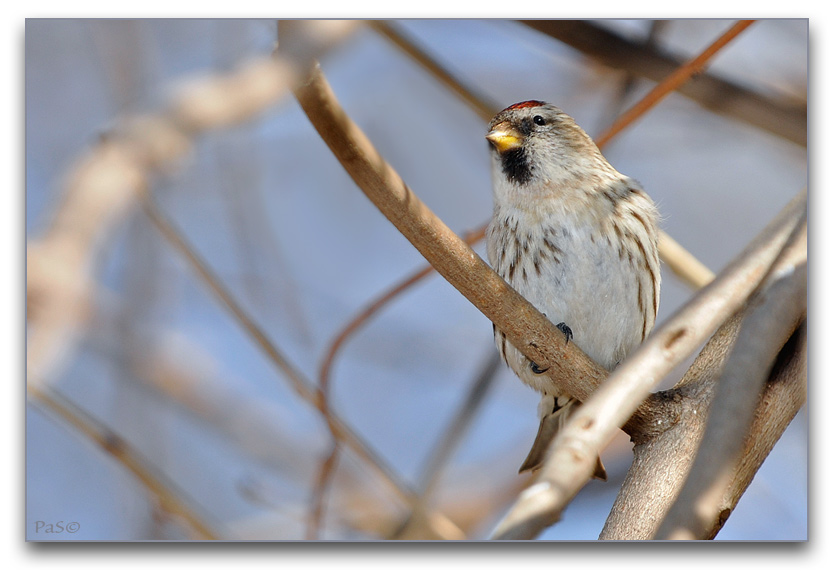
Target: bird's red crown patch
[525, 105]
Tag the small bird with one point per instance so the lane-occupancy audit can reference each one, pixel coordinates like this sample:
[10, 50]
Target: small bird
[576, 238]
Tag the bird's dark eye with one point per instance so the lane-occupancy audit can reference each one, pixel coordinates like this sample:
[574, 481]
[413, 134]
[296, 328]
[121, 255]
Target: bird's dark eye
[539, 120]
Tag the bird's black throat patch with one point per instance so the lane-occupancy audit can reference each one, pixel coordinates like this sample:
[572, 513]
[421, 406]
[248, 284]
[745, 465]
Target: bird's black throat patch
[516, 165]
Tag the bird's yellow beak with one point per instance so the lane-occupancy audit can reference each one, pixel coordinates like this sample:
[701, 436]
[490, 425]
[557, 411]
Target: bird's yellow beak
[504, 137]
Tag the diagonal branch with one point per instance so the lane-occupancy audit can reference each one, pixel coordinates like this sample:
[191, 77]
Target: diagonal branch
[572, 454]
[169, 497]
[103, 187]
[675, 80]
[299, 383]
[771, 319]
[782, 118]
[525, 327]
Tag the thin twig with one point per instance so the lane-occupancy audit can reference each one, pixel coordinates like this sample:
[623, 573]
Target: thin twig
[449, 440]
[680, 261]
[572, 454]
[374, 306]
[356, 323]
[300, 385]
[167, 495]
[782, 117]
[672, 82]
[398, 38]
[325, 476]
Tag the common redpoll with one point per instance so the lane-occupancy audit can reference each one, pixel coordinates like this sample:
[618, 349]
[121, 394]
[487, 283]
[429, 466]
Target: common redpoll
[576, 238]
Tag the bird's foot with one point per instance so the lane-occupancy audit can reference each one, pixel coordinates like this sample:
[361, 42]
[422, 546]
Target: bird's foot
[566, 331]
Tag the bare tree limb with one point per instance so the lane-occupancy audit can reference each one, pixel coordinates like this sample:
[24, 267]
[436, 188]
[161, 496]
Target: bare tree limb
[771, 319]
[661, 463]
[526, 327]
[170, 499]
[783, 119]
[572, 454]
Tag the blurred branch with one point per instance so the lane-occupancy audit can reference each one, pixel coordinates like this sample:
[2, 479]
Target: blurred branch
[414, 524]
[104, 184]
[572, 454]
[300, 385]
[673, 81]
[393, 33]
[683, 264]
[772, 317]
[257, 426]
[722, 97]
[356, 323]
[366, 314]
[166, 493]
[630, 81]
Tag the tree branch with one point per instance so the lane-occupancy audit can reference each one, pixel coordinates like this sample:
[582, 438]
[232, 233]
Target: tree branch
[661, 464]
[525, 327]
[171, 500]
[572, 454]
[783, 119]
[772, 317]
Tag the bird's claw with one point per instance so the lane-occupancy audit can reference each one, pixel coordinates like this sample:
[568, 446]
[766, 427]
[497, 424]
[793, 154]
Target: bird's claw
[536, 368]
[566, 331]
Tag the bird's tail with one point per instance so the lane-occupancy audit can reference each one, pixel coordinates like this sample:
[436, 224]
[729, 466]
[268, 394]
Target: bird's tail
[550, 424]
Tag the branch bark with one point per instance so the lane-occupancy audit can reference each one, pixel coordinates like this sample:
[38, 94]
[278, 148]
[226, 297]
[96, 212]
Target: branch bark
[662, 463]
[771, 319]
[526, 327]
[572, 454]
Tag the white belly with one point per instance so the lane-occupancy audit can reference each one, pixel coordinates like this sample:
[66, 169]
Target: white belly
[572, 275]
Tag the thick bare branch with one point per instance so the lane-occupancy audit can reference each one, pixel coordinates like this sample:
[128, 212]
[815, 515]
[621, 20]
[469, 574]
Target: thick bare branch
[526, 327]
[661, 464]
[772, 318]
[572, 454]
[783, 397]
